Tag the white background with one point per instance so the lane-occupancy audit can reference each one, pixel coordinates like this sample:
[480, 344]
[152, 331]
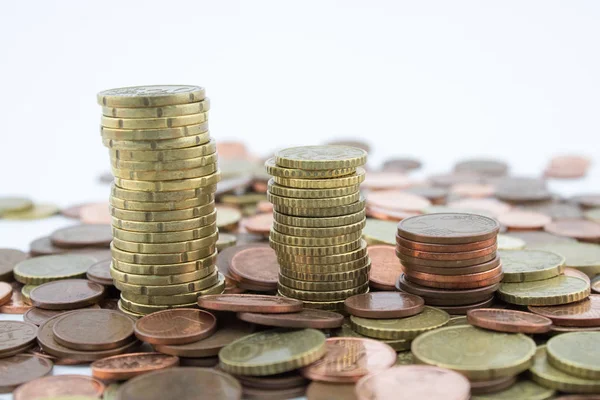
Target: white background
[438, 80]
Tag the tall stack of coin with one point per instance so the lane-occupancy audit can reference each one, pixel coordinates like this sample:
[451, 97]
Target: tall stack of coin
[450, 260]
[162, 200]
[317, 224]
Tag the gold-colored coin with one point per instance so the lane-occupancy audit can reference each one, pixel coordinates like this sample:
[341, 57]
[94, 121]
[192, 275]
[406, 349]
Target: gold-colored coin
[226, 240]
[323, 286]
[355, 179]
[321, 157]
[25, 291]
[243, 199]
[319, 263]
[228, 217]
[327, 269]
[38, 211]
[582, 256]
[169, 290]
[313, 203]
[169, 186]
[154, 123]
[318, 232]
[321, 296]
[576, 353]
[148, 309]
[164, 155]
[316, 251]
[189, 163]
[530, 265]
[165, 269]
[507, 242]
[163, 216]
[520, 390]
[162, 248]
[167, 237]
[176, 298]
[153, 259]
[144, 206]
[170, 226]
[311, 193]
[151, 96]
[326, 222]
[158, 112]
[337, 306]
[326, 277]
[380, 232]
[561, 289]
[161, 280]
[124, 310]
[175, 197]
[322, 212]
[406, 328]
[346, 331]
[166, 144]
[273, 169]
[314, 241]
[14, 204]
[153, 134]
[38, 270]
[272, 352]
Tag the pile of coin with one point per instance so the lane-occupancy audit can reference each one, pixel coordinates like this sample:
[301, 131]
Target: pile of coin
[318, 216]
[162, 200]
[450, 260]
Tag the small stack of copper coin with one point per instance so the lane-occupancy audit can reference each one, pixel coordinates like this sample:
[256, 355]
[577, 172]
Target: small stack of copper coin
[162, 202]
[450, 260]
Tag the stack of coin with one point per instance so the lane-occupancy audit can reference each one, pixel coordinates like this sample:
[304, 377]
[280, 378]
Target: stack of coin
[162, 200]
[318, 216]
[450, 260]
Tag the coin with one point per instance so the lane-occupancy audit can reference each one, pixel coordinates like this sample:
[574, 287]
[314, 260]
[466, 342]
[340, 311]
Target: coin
[521, 390]
[318, 223]
[328, 277]
[272, 352]
[38, 211]
[473, 190]
[467, 281]
[12, 204]
[273, 169]
[49, 268]
[448, 228]
[446, 297]
[473, 269]
[451, 256]
[161, 280]
[255, 265]
[575, 228]
[5, 293]
[259, 223]
[165, 269]
[183, 384]
[349, 180]
[415, 382]
[315, 251]
[289, 203]
[577, 274]
[169, 186]
[492, 387]
[66, 294]
[8, 259]
[401, 164]
[307, 318]
[575, 353]
[464, 309]
[164, 111]
[407, 260]
[127, 366]
[166, 248]
[349, 359]
[491, 360]
[100, 273]
[397, 200]
[554, 291]
[175, 299]
[177, 326]
[163, 258]
[15, 335]
[445, 248]
[154, 122]
[93, 330]
[20, 369]
[61, 385]
[288, 380]
[250, 303]
[82, 235]
[165, 216]
[523, 220]
[151, 96]
[484, 167]
[508, 321]
[507, 242]
[379, 232]
[521, 190]
[321, 296]
[596, 285]
[16, 304]
[313, 241]
[321, 157]
[385, 267]
[165, 175]
[583, 313]
[380, 305]
[38, 316]
[589, 200]
[383, 180]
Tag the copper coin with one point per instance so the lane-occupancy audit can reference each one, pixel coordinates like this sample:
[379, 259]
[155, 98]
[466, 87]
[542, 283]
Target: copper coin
[457, 285]
[445, 263]
[307, 318]
[473, 190]
[385, 266]
[401, 164]
[5, 293]
[473, 269]
[250, 303]
[587, 200]
[16, 335]
[386, 180]
[381, 305]
[389, 215]
[182, 384]
[348, 359]
[280, 381]
[465, 278]
[126, 366]
[448, 228]
[176, 326]
[20, 369]
[61, 385]
[273, 394]
[16, 304]
[8, 259]
[38, 352]
[259, 223]
[581, 229]
[453, 256]
[436, 195]
[414, 382]
[492, 206]
[397, 200]
[231, 149]
[508, 321]
[226, 255]
[97, 213]
[323, 391]
[464, 309]
[255, 265]
[93, 330]
[445, 248]
[520, 190]
[73, 211]
[580, 314]
[524, 220]
[485, 167]
[66, 294]
[204, 362]
[38, 316]
[100, 273]
[492, 386]
[434, 296]
[577, 274]
[82, 236]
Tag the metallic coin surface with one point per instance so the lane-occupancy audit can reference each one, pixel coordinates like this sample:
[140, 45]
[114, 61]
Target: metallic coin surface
[5, 293]
[515, 219]
[38, 316]
[151, 96]
[530, 265]
[100, 273]
[66, 294]
[523, 389]
[584, 313]
[397, 200]
[444, 248]
[82, 236]
[250, 303]
[575, 228]
[38, 211]
[385, 266]
[255, 265]
[584, 257]
[16, 304]
[448, 228]
[16, 335]
[382, 305]
[548, 292]
[447, 297]
[39, 270]
[127, 366]
[575, 353]
[8, 204]
[60, 385]
[508, 242]
[176, 326]
[307, 318]
[321, 157]
[21, 368]
[508, 321]
[8, 259]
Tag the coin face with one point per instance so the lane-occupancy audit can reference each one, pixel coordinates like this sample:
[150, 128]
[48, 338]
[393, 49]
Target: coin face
[385, 266]
[48, 268]
[16, 334]
[256, 265]
[307, 318]
[177, 326]
[524, 220]
[61, 385]
[580, 314]
[530, 265]
[448, 228]
[321, 157]
[21, 368]
[250, 303]
[380, 305]
[576, 354]
[558, 290]
[66, 294]
[508, 321]
[126, 366]
[490, 168]
[8, 259]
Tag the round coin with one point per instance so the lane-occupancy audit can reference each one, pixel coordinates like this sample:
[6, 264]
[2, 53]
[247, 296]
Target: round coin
[127, 366]
[100, 273]
[82, 235]
[250, 303]
[575, 228]
[176, 326]
[255, 265]
[38, 316]
[10, 204]
[5, 293]
[66, 294]
[521, 390]
[321, 157]
[584, 313]
[576, 353]
[15, 335]
[524, 220]
[8, 259]
[385, 267]
[448, 228]
[383, 305]
[151, 96]
[60, 385]
[446, 297]
[584, 257]
[508, 321]
[20, 369]
[43, 269]
[307, 318]
[554, 291]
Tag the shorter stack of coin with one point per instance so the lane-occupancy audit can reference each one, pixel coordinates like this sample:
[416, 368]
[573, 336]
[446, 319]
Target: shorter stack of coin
[450, 260]
[162, 201]
[317, 224]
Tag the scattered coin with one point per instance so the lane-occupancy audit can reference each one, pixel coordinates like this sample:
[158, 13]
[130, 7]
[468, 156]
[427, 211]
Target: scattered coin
[508, 242]
[584, 313]
[8, 259]
[397, 200]
[14, 204]
[15, 336]
[509, 321]
[250, 303]
[524, 220]
[16, 304]
[484, 167]
[177, 326]
[380, 305]
[5, 293]
[127, 366]
[100, 273]
[255, 268]
[95, 214]
[576, 354]
[38, 211]
[61, 385]
[379, 232]
[530, 265]
[548, 292]
[473, 190]
[20, 369]
[307, 318]
[452, 228]
[522, 389]
[39, 270]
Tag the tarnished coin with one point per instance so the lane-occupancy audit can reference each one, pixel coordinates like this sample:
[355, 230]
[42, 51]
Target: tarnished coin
[385, 267]
[349, 359]
[82, 235]
[583, 313]
[66, 294]
[127, 366]
[100, 273]
[448, 228]
[272, 352]
[497, 355]
[321, 157]
[8, 259]
[250, 303]
[576, 353]
[15, 335]
[521, 390]
[273, 169]
[151, 96]
[381, 305]
[20, 369]
[182, 384]
[307, 318]
[16, 304]
[43, 269]
[177, 326]
[508, 321]
[554, 291]
[575, 228]
[530, 265]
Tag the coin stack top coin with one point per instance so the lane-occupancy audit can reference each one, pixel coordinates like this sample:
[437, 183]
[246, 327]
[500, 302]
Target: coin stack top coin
[162, 200]
[450, 260]
[318, 218]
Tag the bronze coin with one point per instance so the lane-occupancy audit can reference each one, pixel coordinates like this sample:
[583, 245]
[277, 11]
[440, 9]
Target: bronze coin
[205, 362]
[444, 248]
[16, 304]
[473, 269]
[66, 294]
[16, 335]
[286, 380]
[82, 236]
[450, 279]
[385, 180]
[388, 215]
[5, 293]
[385, 266]
[578, 397]
[492, 386]
[176, 326]
[307, 318]
[587, 200]
[273, 394]
[445, 263]
[451, 179]
[259, 223]
[60, 385]
[323, 391]
[397, 200]
[508, 321]
[448, 228]
[93, 330]
[464, 309]
[381, 305]
[38, 316]
[250, 303]
[516, 219]
[20, 369]
[580, 229]
[126, 366]
[487, 207]
[8, 259]
[453, 256]
[47, 343]
[583, 313]
[256, 265]
[565, 329]
[464, 284]
[442, 297]
[97, 213]
[100, 273]
[38, 352]
[182, 384]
